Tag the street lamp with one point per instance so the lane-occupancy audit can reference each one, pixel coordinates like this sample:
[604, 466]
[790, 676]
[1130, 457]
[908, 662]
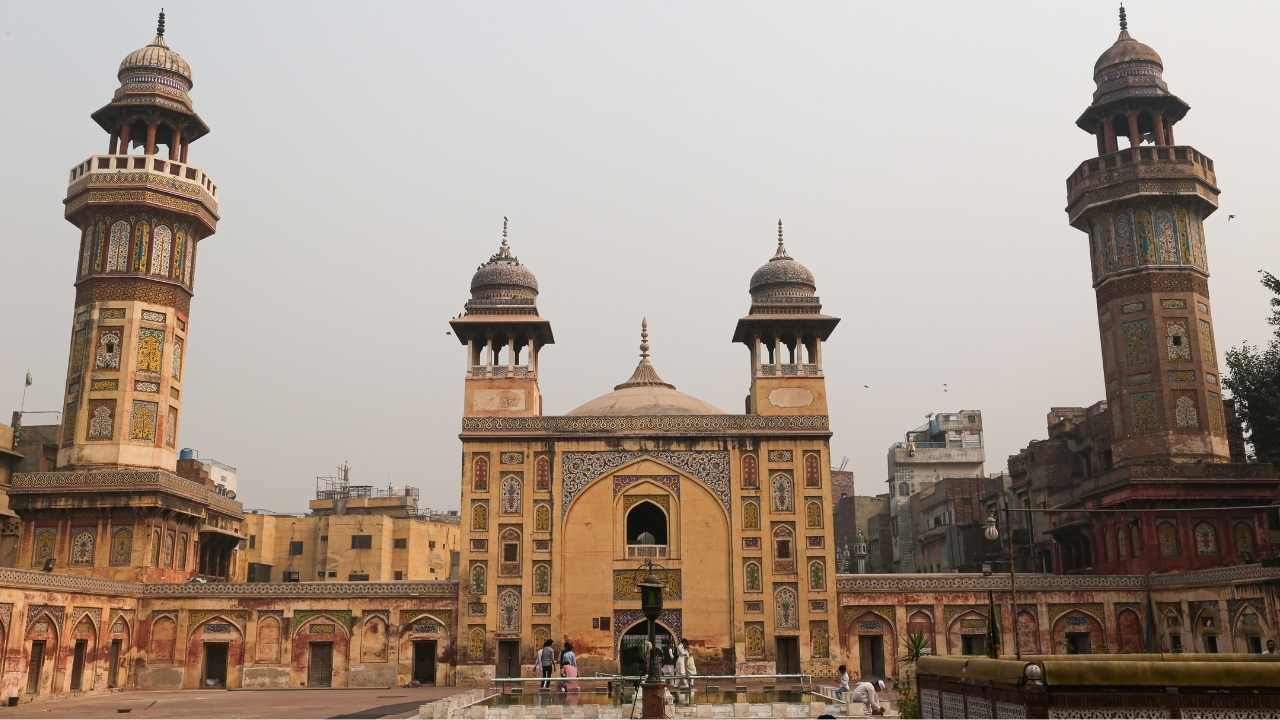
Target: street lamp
[651, 605]
[992, 533]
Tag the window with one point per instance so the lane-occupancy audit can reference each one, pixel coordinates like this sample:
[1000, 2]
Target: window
[324, 538]
[904, 490]
[253, 541]
[1079, 643]
[259, 572]
[1206, 539]
[973, 418]
[398, 543]
[332, 574]
[431, 544]
[399, 575]
[361, 542]
[646, 525]
[358, 577]
[291, 576]
[511, 552]
[295, 547]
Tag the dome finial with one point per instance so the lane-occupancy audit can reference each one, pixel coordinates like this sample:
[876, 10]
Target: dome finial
[504, 231]
[160, 24]
[1124, 21]
[782, 250]
[644, 338]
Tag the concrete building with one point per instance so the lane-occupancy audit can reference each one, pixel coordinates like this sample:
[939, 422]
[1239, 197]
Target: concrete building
[948, 445]
[225, 478]
[354, 533]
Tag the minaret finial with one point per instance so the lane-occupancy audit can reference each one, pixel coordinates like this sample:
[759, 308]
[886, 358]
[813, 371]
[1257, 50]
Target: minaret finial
[504, 231]
[782, 250]
[1124, 21]
[644, 338]
[160, 24]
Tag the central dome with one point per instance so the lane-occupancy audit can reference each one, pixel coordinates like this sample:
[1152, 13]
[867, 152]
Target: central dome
[644, 393]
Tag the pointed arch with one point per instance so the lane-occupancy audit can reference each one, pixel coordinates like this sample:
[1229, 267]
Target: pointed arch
[164, 635]
[323, 617]
[267, 647]
[374, 639]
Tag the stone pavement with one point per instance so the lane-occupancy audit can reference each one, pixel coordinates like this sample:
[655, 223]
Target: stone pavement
[371, 703]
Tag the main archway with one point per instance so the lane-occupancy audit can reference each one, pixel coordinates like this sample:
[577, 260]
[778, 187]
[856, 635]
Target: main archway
[631, 646]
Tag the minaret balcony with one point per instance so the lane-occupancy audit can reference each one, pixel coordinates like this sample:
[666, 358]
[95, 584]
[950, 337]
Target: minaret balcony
[1145, 170]
[791, 370]
[501, 371]
[170, 184]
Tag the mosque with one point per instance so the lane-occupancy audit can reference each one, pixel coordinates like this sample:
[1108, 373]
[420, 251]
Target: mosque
[558, 513]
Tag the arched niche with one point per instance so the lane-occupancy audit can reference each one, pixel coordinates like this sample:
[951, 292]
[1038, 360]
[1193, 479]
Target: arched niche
[425, 649]
[1078, 632]
[215, 653]
[318, 640]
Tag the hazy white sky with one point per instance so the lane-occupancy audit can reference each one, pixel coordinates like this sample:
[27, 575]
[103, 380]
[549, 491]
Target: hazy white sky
[366, 154]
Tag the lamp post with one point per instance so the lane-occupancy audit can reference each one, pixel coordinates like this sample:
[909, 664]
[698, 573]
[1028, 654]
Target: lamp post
[992, 533]
[651, 604]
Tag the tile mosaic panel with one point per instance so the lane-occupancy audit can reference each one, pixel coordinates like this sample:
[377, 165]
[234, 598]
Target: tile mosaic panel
[82, 544]
[1177, 341]
[1173, 304]
[786, 611]
[780, 456]
[1137, 339]
[107, 355]
[143, 420]
[150, 349]
[1184, 412]
[1144, 412]
[153, 316]
[782, 493]
[710, 467]
[106, 385]
[102, 420]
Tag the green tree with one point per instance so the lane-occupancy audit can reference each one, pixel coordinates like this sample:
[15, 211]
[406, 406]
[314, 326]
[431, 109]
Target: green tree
[1254, 381]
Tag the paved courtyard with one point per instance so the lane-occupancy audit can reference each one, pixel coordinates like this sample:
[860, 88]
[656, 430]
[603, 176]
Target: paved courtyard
[385, 703]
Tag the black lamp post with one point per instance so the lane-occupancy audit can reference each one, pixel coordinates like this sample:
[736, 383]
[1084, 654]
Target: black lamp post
[651, 604]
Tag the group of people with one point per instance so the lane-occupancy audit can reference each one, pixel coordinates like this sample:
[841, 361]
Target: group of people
[864, 692]
[678, 665]
[566, 660]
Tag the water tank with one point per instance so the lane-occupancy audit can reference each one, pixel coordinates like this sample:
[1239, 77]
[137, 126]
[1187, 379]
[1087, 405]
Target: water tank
[187, 454]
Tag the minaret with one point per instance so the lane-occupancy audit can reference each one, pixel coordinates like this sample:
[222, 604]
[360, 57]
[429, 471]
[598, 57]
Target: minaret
[141, 214]
[784, 330]
[1143, 207]
[504, 335]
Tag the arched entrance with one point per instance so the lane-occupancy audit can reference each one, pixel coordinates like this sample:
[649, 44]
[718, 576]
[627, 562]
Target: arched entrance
[631, 646]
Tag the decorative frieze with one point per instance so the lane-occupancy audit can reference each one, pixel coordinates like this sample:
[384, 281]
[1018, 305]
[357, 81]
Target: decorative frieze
[710, 467]
[649, 425]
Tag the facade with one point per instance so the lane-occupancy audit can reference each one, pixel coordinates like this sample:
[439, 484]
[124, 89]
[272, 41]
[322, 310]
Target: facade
[113, 506]
[853, 515]
[560, 512]
[948, 445]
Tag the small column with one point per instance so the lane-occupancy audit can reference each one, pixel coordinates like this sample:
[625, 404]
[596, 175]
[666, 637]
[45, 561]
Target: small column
[755, 355]
[777, 350]
[1159, 122]
[817, 352]
[111, 146]
[124, 140]
[798, 356]
[511, 351]
[1168, 133]
[1134, 138]
[1102, 142]
[151, 138]
[1109, 132]
[174, 143]
[471, 354]
[533, 357]
[183, 158]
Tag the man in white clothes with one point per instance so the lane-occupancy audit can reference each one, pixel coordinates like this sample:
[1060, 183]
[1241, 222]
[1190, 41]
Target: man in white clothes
[866, 693]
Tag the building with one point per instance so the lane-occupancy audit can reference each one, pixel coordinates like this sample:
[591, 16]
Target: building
[1156, 457]
[114, 507]
[948, 445]
[559, 513]
[354, 533]
[224, 477]
[852, 517]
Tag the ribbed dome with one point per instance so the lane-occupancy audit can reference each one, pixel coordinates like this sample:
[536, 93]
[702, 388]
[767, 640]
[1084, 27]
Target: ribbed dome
[503, 278]
[1126, 50]
[644, 393]
[782, 276]
[154, 56]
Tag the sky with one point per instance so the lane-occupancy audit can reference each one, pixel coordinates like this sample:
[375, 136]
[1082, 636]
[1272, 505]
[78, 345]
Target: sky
[366, 154]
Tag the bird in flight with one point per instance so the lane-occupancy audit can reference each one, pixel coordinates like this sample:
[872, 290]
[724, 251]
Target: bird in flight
[1230, 218]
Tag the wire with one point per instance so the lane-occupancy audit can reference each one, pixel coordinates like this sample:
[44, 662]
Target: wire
[1139, 510]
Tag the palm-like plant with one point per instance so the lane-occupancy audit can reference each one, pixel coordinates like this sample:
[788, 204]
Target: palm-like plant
[915, 646]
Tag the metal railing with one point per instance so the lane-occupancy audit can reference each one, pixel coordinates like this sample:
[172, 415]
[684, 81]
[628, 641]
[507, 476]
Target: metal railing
[646, 551]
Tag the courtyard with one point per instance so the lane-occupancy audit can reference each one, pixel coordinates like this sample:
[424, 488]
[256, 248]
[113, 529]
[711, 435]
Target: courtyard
[366, 703]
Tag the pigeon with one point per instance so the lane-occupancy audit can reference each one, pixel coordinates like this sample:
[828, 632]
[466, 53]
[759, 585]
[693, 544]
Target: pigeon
[1230, 218]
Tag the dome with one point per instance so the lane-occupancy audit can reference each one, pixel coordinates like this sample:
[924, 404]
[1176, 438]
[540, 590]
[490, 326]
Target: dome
[644, 393]
[1127, 50]
[503, 277]
[645, 400]
[155, 57]
[782, 275]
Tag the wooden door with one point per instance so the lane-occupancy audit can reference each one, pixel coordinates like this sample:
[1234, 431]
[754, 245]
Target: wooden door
[320, 670]
[215, 665]
[113, 669]
[34, 668]
[424, 661]
[788, 656]
[77, 664]
[870, 656]
[508, 658]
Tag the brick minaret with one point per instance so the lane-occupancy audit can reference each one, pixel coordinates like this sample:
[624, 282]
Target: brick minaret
[141, 214]
[1143, 206]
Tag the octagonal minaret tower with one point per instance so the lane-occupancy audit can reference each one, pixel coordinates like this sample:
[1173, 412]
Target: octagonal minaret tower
[1143, 207]
[504, 336]
[141, 214]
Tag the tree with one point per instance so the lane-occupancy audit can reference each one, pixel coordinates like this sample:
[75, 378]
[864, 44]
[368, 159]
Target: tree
[1254, 381]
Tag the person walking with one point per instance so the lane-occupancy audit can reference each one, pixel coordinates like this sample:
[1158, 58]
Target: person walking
[568, 667]
[866, 693]
[682, 661]
[547, 661]
[690, 667]
[668, 660]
